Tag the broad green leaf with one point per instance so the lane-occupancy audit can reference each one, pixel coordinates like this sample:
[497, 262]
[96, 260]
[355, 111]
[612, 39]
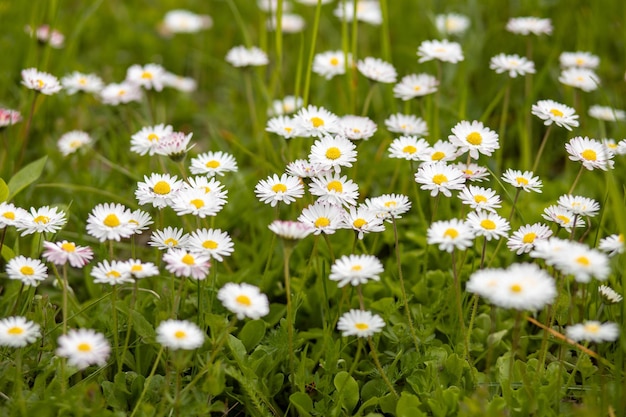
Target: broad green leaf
[408, 406]
[252, 333]
[4, 191]
[348, 390]
[7, 253]
[142, 326]
[302, 402]
[26, 176]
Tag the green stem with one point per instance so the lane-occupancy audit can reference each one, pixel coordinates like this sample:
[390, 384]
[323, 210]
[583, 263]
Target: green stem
[146, 383]
[116, 329]
[459, 306]
[287, 250]
[309, 68]
[541, 148]
[129, 326]
[580, 173]
[380, 368]
[503, 119]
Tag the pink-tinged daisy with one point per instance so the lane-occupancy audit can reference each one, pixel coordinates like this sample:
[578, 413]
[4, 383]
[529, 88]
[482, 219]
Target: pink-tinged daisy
[593, 331]
[175, 145]
[184, 263]
[452, 23]
[244, 300]
[158, 189]
[613, 244]
[120, 93]
[377, 70]
[213, 163]
[211, 242]
[149, 76]
[284, 126]
[606, 113]
[406, 124]
[355, 270]
[9, 117]
[479, 198]
[179, 334]
[527, 25]
[60, 253]
[514, 65]
[363, 220]
[442, 50]
[77, 81]
[582, 78]
[42, 220]
[331, 63]
[196, 202]
[335, 189]
[110, 222]
[488, 224]
[438, 177]
[71, 142]
[146, 140]
[30, 271]
[139, 269]
[18, 332]
[408, 147]
[360, 323]
[450, 235]
[240, 56]
[563, 217]
[590, 152]
[441, 151]
[552, 112]
[579, 59]
[290, 230]
[47, 35]
[286, 105]
[332, 153]
[41, 82]
[415, 85]
[84, 347]
[475, 138]
[316, 121]
[523, 240]
[302, 168]
[10, 215]
[389, 206]
[323, 217]
[582, 206]
[524, 180]
[169, 238]
[113, 273]
[357, 127]
[275, 189]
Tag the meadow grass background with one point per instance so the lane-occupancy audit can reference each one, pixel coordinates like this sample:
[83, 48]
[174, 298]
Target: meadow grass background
[249, 374]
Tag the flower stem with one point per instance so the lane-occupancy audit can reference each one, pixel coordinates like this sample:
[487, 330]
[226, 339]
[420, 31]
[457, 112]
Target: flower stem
[380, 368]
[541, 148]
[116, 329]
[580, 173]
[287, 250]
[146, 383]
[459, 306]
[309, 67]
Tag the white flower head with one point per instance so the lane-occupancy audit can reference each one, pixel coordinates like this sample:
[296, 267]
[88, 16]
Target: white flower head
[474, 138]
[18, 332]
[593, 331]
[529, 25]
[582, 78]
[439, 177]
[590, 152]
[377, 70]
[331, 63]
[240, 56]
[415, 85]
[179, 334]
[552, 112]
[244, 300]
[450, 235]
[514, 65]
[84, 347]
[360, 323]
[452, 23]
[355, 270]
[332, 153]
[442, 50]
[41, 82]
[406, 124]
[30, 271]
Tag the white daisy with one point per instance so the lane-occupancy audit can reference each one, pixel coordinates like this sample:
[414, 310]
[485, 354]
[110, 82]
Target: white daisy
[441, 151]
[582, 206]
[415, 85]
[302, 168]
[169, 238]
[563, 217]
[442, 50]
[175, 145]
[367, 11]
[213, 188]
[30, 271]
[607, 113]
[582, 78]
[360, 323]
[185, 21]
[612, 244]
[452, 23]
[158, 189]
[41, 220]
[609, 294]
[334, 189]
[120, 93]
[355, 270]
[583, 263]
[439, 177]
[84, 347]
[291, 230]
[475, 138]
[316, 121]
[484, 282]
[527, 25]
[523, 240]
[406, 124]
[388, 206]
[179, 334]
[213, 163]
[333, 152]
[524, 180]
[331, 63]
[275, 189]
[139, 269]
[289, 22]
[18, 332]
[146, 140]
[286, 105]
[77, 81]
[113, 273]
[323, 217]
[579, 59]
[593, 331]
[60, 253]
[377, 70]
[488, 224]
[524, 287]
[72, 141]
[41, 82]
[357, 127]
[184, 263]
[197, 203]
[284, 126]
[472, 172]
[408, 147]
[139, 221]
[450, 235]
[513, 64]
[10, 215]
[552, 112]
[240, 56]
[550, 249]
[479, 198]
[244, 300]
[363, 220]
[110, 222]
[180, 83]
[211, 242]
[590, 152]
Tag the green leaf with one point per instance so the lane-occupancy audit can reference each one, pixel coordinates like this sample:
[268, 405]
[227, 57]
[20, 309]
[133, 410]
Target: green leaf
[348, 390]
[252, 333]
[26, 176]
[4, 191]
[7, 253]
[408, 406]
[142, 326]
[302, 402]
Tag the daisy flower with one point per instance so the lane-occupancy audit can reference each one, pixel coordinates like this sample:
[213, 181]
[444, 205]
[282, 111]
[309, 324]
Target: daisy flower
[244, 300]
[488, 224]
[139, 221]
[513, 64]
[30, 271]
[484, 282]
[184, 84]
[9, 117]
[286, 105]
[46, 35]
[146, 140]
[357, 127]
[441, 151]
[367, 11]
[323, 217]
[527, 25]
[196, 202]
[355, 270]
[581, 206]
[316, 121]
[523, 240]
[60, 253]
[120, 93]
[289, 22]
[590, 152]
[475, 138]
[406, 124]
[582, 78]
[284, 126]
[149, 76]
[612, 244]
[609, 294]
[210, 186]
[41, 82]
[139, 269]
[552, 112]
[211, 242]
[72, 141]
[360, 323]
[184, 263]
[10, 215]
[621, 147]
[377, 70]
[479, 198]
[275, 189]
[363, 220]
[157, 189]
[439, 177]
[524, 180]
[415, 85]
[331, 63]
[450, 235]
[302, 168]
[607, 113]
[334, 189]
[452, 23]
[290, 230]
[550, 249]
[175, 145]
[524, 287]
[583, 263]
[332, 153]
[185, 21]
[240, 56]
[442, 50]
[41, 220]
[18, 332]
[472, 172]
[579, 59]
[179, 334]
[84, 347]
[389, 206]
[563, 217]
[593, 331]
[169, 238]
[213, 163]
[110, 222]
[77, 81]
[408, 147]
[113, 273]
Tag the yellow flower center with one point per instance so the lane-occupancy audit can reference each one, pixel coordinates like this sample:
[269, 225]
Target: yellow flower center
[592, 328]
[437, 156]
[153, 137]
[335, 186]
[68, 247]
[40, 83]
[620, 238]
[474, 138]
[355, 130]
[27, 270]
[41, 219]
[209, 244]
[356, 267]
[440, 179]
[111, 220]
[488, 224]
[170, 241]
[146, 75]
[9, 215]
[180, 334]
[317, 122]
[516, 288]
[197, 203]
[82, 81]
[529, 237]
[583, 260]
[361, 326]
[480, 199]
[468, 172]
[15, 330]
[579, 61]
[389, 204]
[279, 188]
[521, 181]
[358, 223]
[121, 92]
[333, 153]
[322, 222]
[410, 149]
[162, 188]
[244, 300]
[288, 129]
[562, 218]
[334, 61]
[84, 347]
[113, 274]
[136, 268]
[75, 144]
[556, 112]
[417, 88]
[212, 164]
[451, 233]
[589, 155]
[188, 259]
